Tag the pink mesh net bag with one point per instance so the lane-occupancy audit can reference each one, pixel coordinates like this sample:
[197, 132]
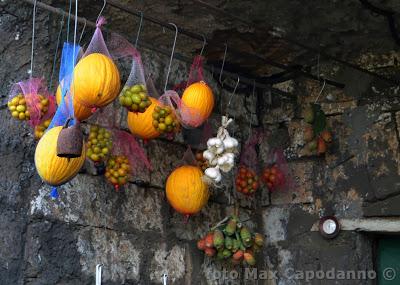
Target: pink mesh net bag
[30, 101]
[134, 95]
[96, 79]
[276, 174]
[247, 179]
[127, 159]
[197, 101]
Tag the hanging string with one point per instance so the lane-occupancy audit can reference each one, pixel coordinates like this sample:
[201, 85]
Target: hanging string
[56, 51]
[172, 56]
[233, 93]
[204, 45]
[101, 11]
[83, 31]
[33, 37]
[75, 30]
[223, 64]
[320, 92]
[139, 29]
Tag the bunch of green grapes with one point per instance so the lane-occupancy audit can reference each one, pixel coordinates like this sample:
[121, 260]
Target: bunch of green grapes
[164, 120]
[99, 144]
[135, 98]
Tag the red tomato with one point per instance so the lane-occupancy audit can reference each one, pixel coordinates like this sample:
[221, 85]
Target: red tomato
[243, 183]
[255, 185]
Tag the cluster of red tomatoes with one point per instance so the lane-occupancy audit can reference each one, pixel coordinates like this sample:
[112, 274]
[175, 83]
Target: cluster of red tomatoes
[247, 181]
[273, 177]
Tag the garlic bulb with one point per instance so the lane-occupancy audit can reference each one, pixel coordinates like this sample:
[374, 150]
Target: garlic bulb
[212, 172]
[220, 150]
[208, 155]
[230, 143]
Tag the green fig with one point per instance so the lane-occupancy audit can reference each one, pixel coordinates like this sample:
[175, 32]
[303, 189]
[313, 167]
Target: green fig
[231, 227]
[218, 239]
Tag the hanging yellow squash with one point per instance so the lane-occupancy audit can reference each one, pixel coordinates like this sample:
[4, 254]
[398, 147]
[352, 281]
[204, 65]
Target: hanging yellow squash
[81, 112]
[52, 169]
[141, 124]
[199, 98]
[96, 81]
[186, 191]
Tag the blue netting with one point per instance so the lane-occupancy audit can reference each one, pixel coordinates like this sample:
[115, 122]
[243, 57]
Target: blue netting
[66, 109]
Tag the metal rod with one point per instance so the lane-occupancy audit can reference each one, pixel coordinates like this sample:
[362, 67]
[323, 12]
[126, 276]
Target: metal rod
[294, 42]
[200, 37]
[178, 56]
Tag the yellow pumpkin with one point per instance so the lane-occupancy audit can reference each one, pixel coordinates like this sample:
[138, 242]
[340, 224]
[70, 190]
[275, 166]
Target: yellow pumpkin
[199, 99]
[141, 124]
[186, 191]
[96, 81]
[81, 112]
[52, 169]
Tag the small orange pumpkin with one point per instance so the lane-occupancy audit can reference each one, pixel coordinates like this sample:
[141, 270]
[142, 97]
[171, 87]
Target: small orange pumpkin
[141, 124]
[199, 98]
[81, 112]
[186, 191]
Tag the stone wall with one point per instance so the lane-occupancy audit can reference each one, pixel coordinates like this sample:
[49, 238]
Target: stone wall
[136, 234]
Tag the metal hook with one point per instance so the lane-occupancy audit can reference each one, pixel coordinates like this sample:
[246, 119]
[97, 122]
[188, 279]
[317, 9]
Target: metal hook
[165, 278]
[204, 45]
[99, 268]
[172, 56]
[320, 92]
[223, 64]
[233, 93]
[139, 29]
[83, 31]
[101, 11]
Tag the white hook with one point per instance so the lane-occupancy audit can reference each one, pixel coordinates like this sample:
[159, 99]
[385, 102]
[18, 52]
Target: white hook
[233, 93]
[172, 56]
[223, 63]
[320, 92]
[165, 278]
[204, 45]
[101, 11]
[139, 29]
[99, 268]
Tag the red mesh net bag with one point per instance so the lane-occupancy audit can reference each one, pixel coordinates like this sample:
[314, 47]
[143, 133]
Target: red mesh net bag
[196, 73]
[134, 95]
[127, 159]
[276, 174]
[247, 177]
[30, 101]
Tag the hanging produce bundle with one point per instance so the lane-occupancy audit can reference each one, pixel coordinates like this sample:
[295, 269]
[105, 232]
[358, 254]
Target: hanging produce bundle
[186, 190]
[134, 96]
[141, 124]
[99, 144]
[316, 135]
[127, 159]
[30, 101]
[165, 120]
[220, 153]
[55, 170]
[60, 153]
[231, 241]
[197, 99]
[247, 180]
[276, 174]
[41, 128]
[96, 77]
